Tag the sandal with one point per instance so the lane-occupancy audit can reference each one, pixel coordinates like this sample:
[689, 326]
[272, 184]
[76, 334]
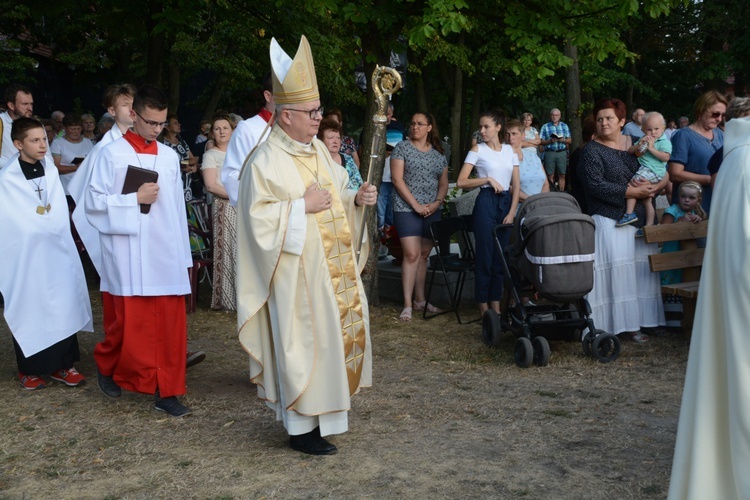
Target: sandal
[420, 306]
[405, 314]
[639, 338]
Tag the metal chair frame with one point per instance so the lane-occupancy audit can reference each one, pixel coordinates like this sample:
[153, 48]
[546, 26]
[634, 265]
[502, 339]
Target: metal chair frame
[443, 231]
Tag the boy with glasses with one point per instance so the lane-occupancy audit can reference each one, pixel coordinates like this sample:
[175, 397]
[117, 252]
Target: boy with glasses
[145, 257]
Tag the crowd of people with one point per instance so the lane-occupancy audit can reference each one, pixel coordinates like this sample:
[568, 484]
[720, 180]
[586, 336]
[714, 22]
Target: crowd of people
[615, 175]
[287, 199]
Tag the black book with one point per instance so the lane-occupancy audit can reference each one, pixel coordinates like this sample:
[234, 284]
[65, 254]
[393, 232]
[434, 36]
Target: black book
[137, 177]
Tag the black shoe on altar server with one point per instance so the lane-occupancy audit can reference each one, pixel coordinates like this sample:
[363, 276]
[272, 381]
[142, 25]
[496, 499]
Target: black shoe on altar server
[108, 386]
[171, 406]
[312, 444]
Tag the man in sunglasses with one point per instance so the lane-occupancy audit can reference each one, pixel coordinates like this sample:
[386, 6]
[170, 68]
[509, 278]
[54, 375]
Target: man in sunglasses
[135, 201]
[301, 309]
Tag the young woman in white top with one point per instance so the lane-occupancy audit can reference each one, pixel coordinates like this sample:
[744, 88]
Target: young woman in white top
[497, 175]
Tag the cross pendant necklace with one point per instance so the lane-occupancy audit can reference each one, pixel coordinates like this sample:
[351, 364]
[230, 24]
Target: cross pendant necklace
[41, 209]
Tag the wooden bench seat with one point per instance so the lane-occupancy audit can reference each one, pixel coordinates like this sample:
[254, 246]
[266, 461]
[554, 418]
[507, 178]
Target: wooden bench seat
[689, 259]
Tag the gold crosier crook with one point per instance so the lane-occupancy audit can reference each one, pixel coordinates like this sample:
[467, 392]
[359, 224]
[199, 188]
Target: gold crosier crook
[385, 82]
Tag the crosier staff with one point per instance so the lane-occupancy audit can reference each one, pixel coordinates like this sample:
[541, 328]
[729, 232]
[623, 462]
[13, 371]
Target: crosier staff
[385, 82]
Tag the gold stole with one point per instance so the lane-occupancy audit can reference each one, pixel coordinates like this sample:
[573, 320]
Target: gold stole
[337, 245]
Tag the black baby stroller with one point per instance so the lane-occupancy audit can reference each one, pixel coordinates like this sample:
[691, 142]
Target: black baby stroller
[552, 256]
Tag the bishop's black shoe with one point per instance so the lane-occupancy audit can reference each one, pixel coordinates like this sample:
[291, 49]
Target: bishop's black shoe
[312, 444]
[108, 386]
[171, 406]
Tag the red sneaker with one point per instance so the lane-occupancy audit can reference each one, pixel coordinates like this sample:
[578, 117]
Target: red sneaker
[31, 382]
[69, 377]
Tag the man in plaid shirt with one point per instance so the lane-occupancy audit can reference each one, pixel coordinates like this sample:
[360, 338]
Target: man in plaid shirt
[555, 136]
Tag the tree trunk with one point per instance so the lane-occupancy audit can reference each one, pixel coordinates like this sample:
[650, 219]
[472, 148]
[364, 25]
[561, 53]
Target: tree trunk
[463, 145]
[629, 99]
[372, 158]
[476, 108]
[174, 87]
[573, 95]
[419, 88]
[155, 47]
[217, 87]
[456, 108]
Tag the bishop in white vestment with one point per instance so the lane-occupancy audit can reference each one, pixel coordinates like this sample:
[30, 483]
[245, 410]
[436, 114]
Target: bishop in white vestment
[302, 310]
[712, 453]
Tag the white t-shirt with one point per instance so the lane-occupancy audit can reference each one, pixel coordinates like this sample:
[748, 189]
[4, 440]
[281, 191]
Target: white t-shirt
[496, 164]
[387, 170]
[68, 151]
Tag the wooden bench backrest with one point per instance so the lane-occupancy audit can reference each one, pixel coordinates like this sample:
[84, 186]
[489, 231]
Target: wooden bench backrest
[689, 257]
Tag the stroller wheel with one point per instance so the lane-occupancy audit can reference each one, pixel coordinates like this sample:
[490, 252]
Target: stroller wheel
[588, 339]
[541, 351]
[606, 347]
[491, 328]
[523, 352]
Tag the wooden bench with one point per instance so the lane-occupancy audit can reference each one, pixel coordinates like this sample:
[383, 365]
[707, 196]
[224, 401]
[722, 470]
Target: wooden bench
[689, 259]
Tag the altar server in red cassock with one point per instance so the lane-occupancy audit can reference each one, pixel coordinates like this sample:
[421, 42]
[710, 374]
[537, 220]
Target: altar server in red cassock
[145, 259]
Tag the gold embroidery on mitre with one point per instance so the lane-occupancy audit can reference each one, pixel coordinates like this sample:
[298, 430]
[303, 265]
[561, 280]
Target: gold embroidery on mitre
[301, 73]
[299, 84]
[337, 247]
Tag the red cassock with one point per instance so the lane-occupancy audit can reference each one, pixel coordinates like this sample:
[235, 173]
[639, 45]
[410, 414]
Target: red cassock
[145, 344]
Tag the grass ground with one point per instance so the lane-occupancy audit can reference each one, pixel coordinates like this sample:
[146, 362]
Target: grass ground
[446, 417]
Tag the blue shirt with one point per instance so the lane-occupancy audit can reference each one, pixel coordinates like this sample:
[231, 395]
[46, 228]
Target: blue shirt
[561, 130]
[692, 150]
[633, 130]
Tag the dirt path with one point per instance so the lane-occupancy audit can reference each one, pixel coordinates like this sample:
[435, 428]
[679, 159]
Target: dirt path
[446, 418]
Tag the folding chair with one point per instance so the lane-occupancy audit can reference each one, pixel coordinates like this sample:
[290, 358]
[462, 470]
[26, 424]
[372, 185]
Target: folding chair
[201, 241]
[443, 232]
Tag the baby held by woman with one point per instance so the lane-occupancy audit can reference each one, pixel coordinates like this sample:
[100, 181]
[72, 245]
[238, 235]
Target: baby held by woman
[653, 151]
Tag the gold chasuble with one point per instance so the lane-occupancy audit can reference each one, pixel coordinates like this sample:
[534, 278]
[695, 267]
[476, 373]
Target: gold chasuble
[337, 244]
[301, 309]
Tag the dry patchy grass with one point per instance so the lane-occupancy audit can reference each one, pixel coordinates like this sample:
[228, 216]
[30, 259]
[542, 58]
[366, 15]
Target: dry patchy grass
[446, 418]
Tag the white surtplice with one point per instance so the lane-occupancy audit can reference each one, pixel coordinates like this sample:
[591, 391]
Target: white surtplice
[142, 254]
[77, 189]
[712, 452]
[41, 279]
